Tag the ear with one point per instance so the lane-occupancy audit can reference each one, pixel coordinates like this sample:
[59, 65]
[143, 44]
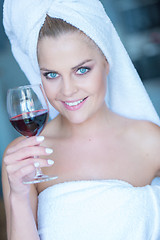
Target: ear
[106, 64]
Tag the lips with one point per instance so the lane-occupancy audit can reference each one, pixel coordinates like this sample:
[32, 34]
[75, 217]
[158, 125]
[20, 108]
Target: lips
[75, 104]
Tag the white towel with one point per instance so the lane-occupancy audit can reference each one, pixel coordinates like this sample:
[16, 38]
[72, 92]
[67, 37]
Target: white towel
[23, 20]
[99, 210]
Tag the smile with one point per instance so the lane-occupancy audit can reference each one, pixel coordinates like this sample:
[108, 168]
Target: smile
[74, 105]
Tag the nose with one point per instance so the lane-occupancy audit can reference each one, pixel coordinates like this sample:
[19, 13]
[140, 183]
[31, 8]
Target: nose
[68, 87]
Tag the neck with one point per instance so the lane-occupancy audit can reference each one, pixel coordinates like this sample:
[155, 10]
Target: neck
[91, 127]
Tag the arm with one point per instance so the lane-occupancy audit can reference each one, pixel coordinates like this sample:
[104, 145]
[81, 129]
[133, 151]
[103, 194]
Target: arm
[20, 211]
[155, 149]
[21, 200]
[150, 139]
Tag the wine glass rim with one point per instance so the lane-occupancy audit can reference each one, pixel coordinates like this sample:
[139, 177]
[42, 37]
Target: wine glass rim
[26, 86]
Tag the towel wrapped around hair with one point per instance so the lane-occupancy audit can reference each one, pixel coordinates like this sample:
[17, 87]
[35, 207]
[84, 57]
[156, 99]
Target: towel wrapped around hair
[23, 20]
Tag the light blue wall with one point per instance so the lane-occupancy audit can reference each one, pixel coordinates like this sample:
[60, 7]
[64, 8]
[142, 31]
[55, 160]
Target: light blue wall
[10, 76]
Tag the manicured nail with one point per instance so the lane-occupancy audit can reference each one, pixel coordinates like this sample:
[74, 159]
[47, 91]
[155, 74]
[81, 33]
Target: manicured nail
[36, 164]
[40, 138]
[50, 162]
[49, 150]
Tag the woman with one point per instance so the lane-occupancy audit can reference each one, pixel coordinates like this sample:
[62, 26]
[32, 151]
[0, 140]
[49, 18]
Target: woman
[105, 161]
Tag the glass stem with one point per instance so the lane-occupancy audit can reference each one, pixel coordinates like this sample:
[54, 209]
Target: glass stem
[38, 172]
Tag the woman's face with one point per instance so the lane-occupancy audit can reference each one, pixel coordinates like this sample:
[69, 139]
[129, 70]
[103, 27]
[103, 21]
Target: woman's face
[73, 72]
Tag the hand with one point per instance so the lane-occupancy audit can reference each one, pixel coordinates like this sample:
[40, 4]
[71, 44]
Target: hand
[20, 162]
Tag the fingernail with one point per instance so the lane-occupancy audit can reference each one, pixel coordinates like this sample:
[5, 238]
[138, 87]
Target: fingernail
[40, 138]
[49, 150]
[50, 162]
[36, 164]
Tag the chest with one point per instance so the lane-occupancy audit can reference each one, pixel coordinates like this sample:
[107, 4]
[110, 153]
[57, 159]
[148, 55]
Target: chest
[87, 159]
[89, 154]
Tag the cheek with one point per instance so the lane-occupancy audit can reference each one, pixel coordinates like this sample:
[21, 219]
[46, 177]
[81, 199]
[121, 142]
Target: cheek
[49, 91]
[100, 83]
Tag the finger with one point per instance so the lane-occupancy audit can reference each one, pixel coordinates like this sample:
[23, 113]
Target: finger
[36, 162]
[27, 152]
[43, 163]
[22, 173]
[27, 142]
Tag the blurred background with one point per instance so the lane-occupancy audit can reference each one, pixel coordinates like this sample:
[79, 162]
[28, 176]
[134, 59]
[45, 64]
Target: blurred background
[138, 24]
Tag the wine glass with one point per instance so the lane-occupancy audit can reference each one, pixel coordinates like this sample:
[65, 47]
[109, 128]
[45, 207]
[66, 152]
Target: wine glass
[28, 112]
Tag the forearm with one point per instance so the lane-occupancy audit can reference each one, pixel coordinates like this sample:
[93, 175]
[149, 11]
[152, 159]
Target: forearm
[22, 222]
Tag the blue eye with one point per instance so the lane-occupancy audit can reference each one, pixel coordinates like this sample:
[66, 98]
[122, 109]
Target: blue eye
[51, 75]
[82, 70]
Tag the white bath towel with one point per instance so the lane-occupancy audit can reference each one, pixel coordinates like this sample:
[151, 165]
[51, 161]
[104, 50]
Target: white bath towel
[23, 20]
[99, 210]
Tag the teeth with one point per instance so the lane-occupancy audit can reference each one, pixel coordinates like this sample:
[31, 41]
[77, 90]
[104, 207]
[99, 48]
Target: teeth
[73, 103]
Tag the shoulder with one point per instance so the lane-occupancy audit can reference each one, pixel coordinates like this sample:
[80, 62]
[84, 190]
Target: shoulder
[140, 129]
[141, 134]
[145, 137]
[53, 128]
[145, 133]
[14, 142]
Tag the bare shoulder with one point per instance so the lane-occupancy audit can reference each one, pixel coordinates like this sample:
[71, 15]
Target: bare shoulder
[145, 136]
[15, 141]
[151, 144]
[147, 132]
[139, 129]
[52, 128]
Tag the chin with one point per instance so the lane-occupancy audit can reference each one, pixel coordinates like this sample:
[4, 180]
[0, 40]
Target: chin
[77, 119]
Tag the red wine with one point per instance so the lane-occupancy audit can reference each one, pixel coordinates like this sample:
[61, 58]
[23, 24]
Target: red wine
[30, 123]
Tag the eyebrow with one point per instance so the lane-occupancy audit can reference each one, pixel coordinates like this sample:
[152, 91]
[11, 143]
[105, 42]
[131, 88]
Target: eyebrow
[77, 66]
[80, 64]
